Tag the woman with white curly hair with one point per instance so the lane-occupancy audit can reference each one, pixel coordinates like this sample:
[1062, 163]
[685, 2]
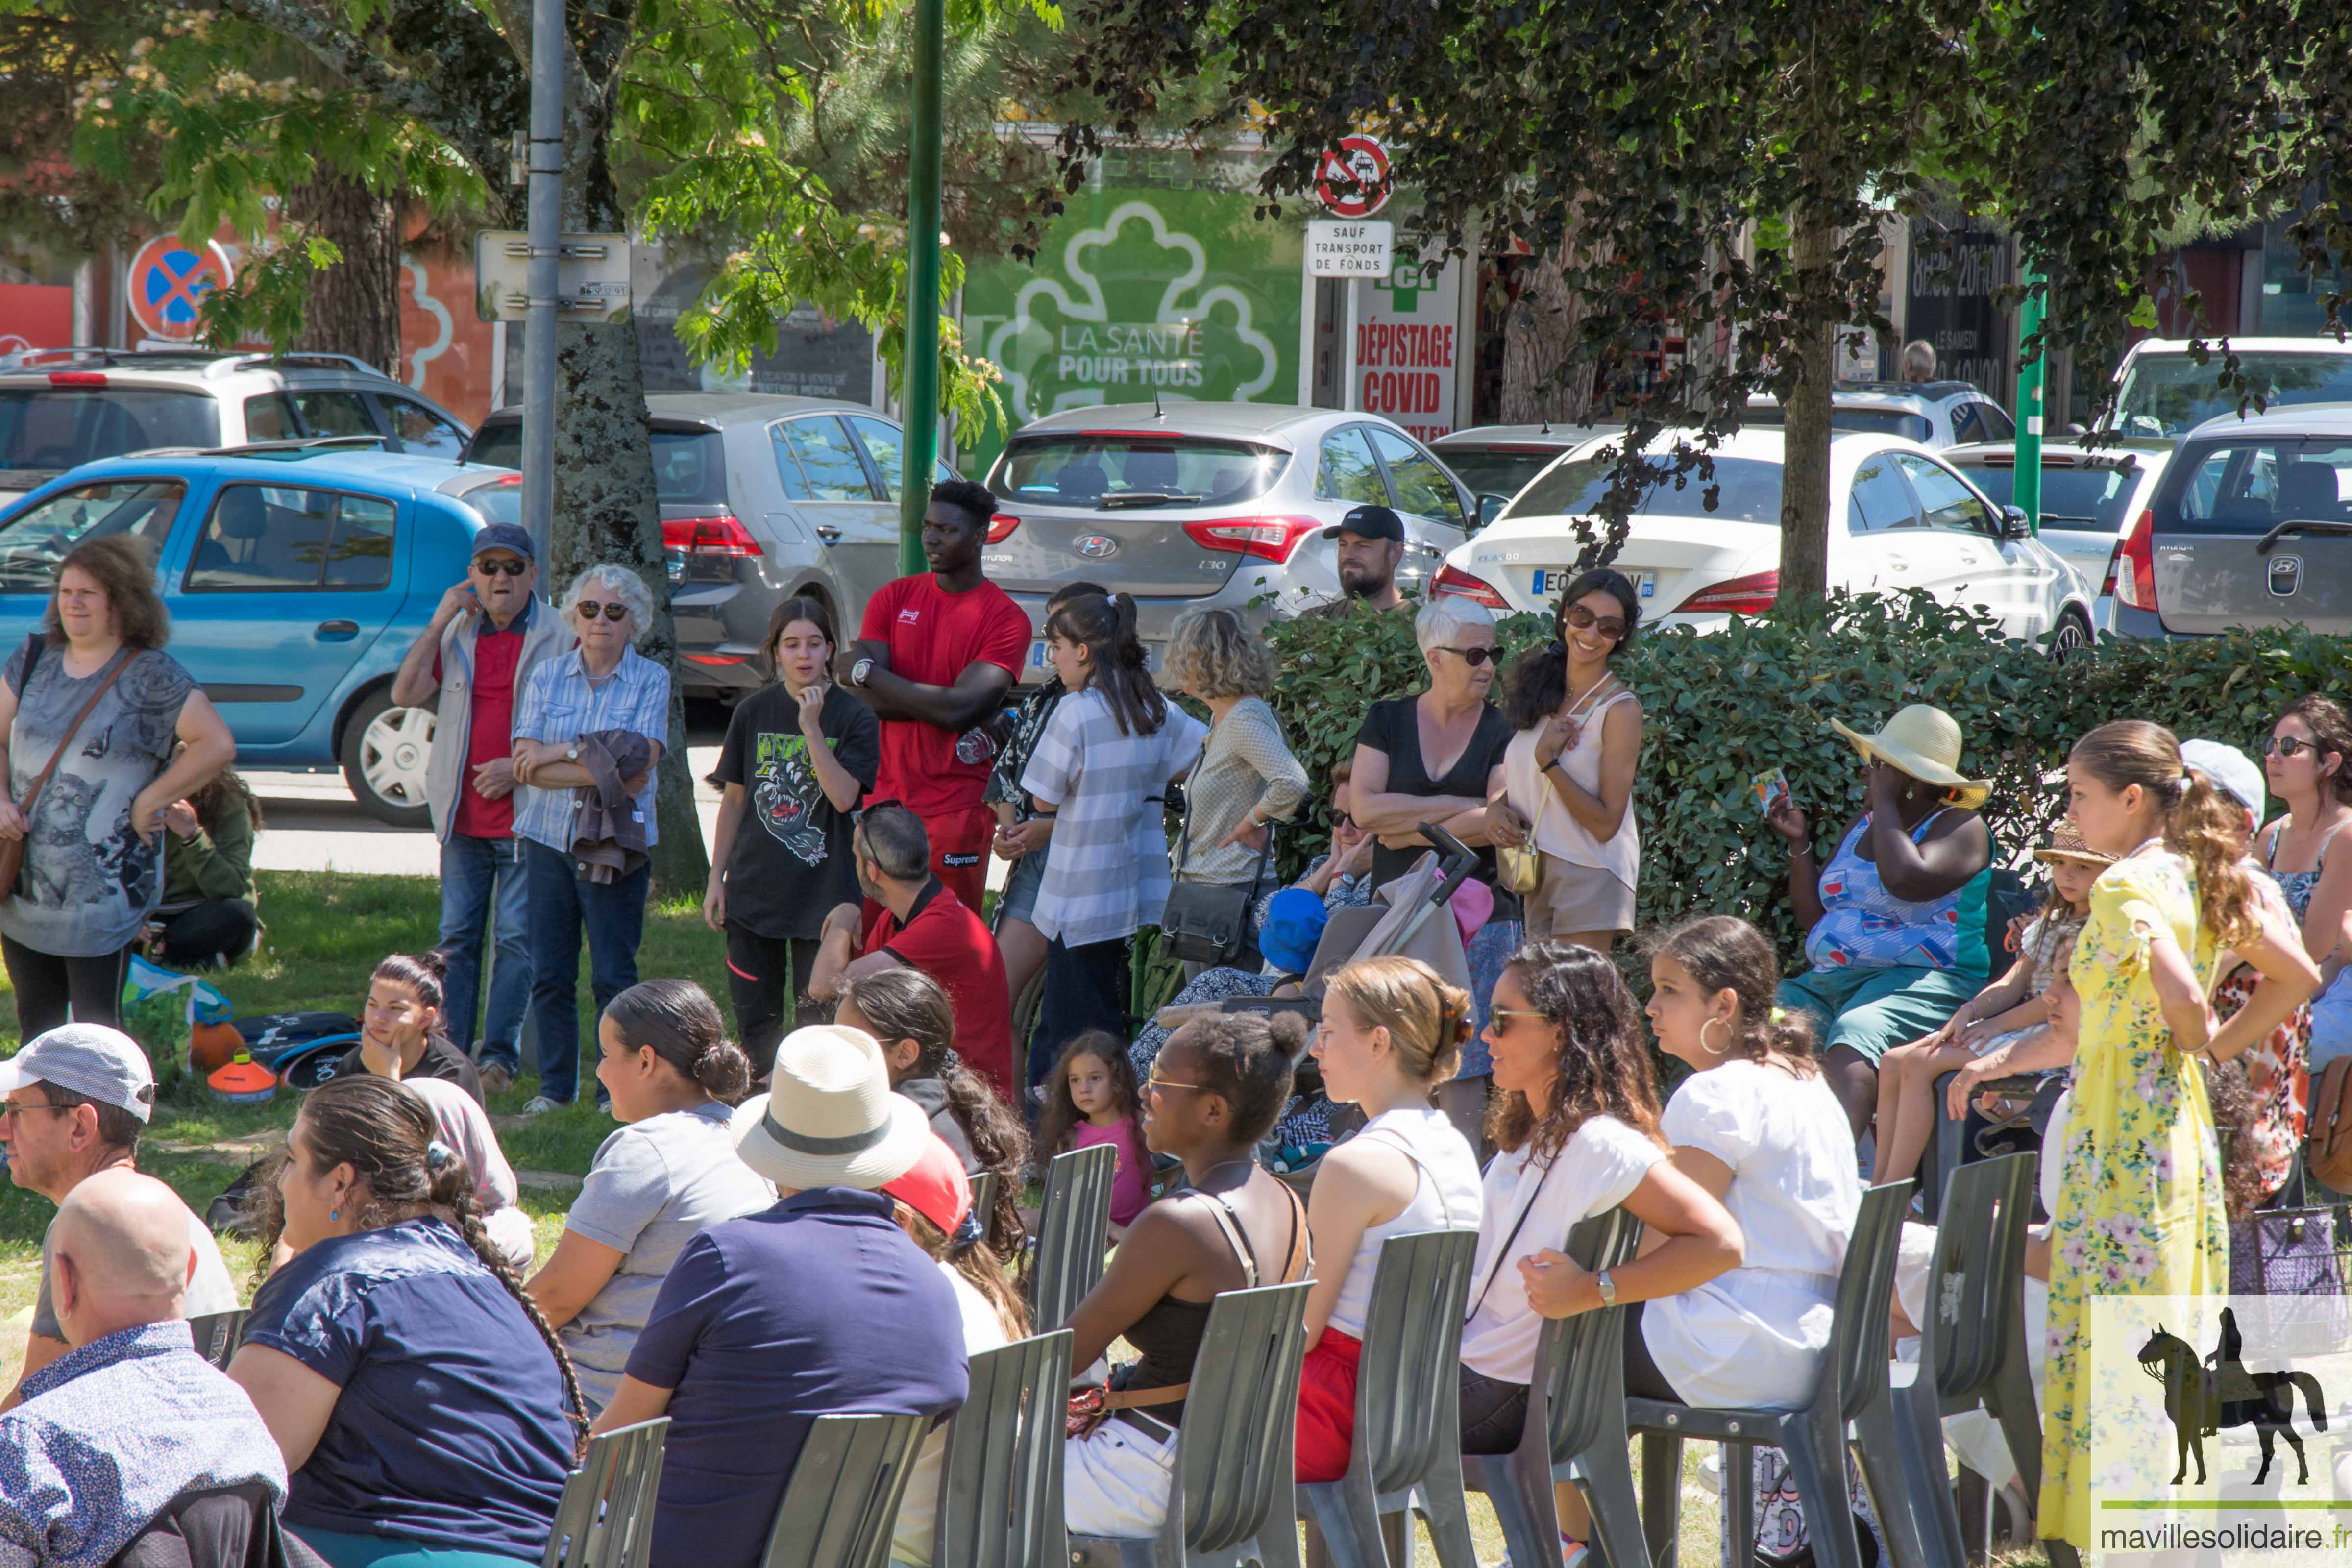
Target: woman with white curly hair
[588, 733]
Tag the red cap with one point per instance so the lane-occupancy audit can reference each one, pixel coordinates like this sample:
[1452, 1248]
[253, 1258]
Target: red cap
[936, 1187]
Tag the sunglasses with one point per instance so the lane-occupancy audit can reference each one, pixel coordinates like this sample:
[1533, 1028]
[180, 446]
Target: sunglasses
[616, 611]
[1151, 1084]
[2288, 746]
[509, 567]
[1584, 620]
[1473, 657]
[1511, 1013]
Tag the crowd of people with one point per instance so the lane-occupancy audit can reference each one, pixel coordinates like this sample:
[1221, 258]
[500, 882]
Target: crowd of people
[414, 1382]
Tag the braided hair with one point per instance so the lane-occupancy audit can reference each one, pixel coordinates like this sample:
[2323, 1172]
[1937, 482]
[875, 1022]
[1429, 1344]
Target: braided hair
[389, 1138]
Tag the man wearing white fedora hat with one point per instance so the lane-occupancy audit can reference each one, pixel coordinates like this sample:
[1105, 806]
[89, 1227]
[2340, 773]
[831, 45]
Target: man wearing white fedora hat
[1895, 923]
[819, 1304]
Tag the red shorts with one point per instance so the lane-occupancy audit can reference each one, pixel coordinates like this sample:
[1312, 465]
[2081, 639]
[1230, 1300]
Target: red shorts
[1327, 1406]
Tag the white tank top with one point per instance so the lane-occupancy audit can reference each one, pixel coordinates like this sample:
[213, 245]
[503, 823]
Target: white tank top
[1557, 832]
[1445, 1196]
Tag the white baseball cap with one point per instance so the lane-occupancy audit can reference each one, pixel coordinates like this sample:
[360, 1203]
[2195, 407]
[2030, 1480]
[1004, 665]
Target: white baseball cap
[89, 1059]
[2233, 772]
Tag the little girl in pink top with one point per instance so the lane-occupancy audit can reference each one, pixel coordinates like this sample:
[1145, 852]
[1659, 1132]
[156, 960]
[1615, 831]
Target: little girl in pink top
[1091, 1098]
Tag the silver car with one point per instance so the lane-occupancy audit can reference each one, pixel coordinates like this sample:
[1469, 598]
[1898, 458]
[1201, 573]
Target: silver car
[1193, 504]
[1497, 461]
[2089, 499]
[1932, 413]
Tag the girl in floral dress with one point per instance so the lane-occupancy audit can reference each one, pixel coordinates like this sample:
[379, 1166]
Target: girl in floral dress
[2140, 1211]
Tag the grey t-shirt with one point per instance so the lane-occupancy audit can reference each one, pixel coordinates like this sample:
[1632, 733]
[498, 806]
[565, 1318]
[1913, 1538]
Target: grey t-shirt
[654, 1184]
[89, 883]
[210, 1291]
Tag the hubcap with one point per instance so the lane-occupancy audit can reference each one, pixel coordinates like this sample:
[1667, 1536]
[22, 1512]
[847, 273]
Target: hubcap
[394, 753]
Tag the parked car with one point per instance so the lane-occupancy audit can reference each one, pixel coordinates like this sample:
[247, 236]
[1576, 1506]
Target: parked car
[1901, 519]
[1207, 503]
[2249, 527]
[296, 579]
[2089, 497]
[762, 498]
[60, 409]
[2162, 391]
[1932, 413]
[1495, 461]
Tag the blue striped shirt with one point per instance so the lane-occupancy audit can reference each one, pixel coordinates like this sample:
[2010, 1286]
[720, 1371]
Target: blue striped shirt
[561, 704]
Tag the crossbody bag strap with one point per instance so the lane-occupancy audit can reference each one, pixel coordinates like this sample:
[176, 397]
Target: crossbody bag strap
[66, 739]
[1502, 1255]
[1229, 1223]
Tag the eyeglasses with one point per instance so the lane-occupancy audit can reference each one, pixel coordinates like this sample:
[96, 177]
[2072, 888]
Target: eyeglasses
[1584, 620]
[616, 611]
[1156, 1083]
[10, 1111]
[509, 567]
[2288, 746]
[1473, 657]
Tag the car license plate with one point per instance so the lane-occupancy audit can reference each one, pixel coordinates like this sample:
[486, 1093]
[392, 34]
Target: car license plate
[1043, 663]
[1554, 579]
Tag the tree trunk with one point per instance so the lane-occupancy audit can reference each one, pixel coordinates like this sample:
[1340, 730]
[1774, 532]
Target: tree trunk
[1538, 384]
[1805, 453]
[354, 308]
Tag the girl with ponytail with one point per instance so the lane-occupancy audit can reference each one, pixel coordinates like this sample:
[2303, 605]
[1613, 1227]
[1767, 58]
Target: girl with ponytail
[387, 1276]
[671, 1170]
[1101, 776]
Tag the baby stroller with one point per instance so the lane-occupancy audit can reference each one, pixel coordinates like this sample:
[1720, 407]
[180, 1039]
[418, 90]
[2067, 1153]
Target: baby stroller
[1401, 922]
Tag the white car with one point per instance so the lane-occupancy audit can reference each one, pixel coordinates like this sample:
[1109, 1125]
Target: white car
[1900, 519]
[2161, 390]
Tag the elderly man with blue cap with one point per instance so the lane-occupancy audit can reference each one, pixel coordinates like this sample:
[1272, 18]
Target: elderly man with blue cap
[486, 637]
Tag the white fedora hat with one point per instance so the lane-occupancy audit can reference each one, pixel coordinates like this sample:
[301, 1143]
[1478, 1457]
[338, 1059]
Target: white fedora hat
[830, 1120]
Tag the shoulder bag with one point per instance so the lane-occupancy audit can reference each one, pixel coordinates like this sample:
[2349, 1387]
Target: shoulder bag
[2328, 1135]
[12, 850]
[1206, 922]
[1519, 866]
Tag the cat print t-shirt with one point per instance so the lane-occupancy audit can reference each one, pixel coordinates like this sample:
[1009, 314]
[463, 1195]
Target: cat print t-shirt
[88, 883]
[792, 862]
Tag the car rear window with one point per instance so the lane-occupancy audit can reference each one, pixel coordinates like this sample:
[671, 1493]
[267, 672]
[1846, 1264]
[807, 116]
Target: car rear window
[2168, 393]
[1750, 492]
[2086, 500]
[690, 466]
[1111, 471]
[1497, 471]
[59, 427]
[1872, 421]
[497, 502]
[2252, 486]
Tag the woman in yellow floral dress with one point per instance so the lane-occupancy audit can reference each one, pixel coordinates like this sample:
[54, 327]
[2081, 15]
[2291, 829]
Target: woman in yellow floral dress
[2140, 1211]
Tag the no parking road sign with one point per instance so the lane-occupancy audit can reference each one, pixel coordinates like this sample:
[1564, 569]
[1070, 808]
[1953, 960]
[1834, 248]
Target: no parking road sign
[1352, 181]
[167, 283]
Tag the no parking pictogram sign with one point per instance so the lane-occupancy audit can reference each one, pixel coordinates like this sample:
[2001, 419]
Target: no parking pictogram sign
[167, 282]
[1352, 181]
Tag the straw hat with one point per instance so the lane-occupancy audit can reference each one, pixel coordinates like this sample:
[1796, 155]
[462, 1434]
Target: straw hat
[1924, 742]
[831, 1119]
[2066, 844]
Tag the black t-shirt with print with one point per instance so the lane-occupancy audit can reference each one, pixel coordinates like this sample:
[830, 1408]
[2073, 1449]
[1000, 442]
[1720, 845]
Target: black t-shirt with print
[791, 860]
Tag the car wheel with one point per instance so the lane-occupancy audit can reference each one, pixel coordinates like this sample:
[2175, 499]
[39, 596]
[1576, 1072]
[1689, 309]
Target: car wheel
[2072, 636]
[386, 750]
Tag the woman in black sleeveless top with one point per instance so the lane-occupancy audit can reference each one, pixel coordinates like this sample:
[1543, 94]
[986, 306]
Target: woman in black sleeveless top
[1215, 1090]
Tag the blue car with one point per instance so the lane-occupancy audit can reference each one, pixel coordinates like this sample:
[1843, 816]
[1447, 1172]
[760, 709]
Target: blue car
[296, 577]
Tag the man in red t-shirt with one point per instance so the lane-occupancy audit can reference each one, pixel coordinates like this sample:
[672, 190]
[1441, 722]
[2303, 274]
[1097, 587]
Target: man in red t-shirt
[935, 657]
[917, 922]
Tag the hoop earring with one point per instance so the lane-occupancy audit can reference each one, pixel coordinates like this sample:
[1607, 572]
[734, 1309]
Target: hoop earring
[1711, 1050]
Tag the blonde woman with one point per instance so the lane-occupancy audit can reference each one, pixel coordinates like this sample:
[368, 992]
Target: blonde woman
[1246, 778]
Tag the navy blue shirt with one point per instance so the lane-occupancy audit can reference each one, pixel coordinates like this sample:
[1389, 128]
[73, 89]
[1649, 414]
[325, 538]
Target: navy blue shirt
[451, 1429]
[819, 1305]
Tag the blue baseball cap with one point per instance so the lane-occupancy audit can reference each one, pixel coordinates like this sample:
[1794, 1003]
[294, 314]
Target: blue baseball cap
[1295, 919]
[506, 536]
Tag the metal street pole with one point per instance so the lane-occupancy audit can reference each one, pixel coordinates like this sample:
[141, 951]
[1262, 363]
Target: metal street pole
[544, 217]
[2027, 489]
[923, 371]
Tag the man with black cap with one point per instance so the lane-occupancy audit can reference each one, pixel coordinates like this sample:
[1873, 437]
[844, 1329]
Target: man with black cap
[72, 1104]
[485, 638]
[1371, 543]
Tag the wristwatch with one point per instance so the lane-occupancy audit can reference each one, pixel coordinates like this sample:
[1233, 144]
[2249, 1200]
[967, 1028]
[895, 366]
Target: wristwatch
[571, 753]
[1607, 1287]
[860, 671]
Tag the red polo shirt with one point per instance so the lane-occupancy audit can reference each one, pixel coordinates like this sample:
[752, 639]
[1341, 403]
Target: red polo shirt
[954, 947]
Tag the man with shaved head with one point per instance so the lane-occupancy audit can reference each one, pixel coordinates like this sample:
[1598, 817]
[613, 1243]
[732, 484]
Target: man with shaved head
[129, 1417]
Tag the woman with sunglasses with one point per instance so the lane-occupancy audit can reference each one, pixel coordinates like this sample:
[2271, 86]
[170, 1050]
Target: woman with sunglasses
[1438, 758]
[2307, 762]
[603, 699]
[1570, 769]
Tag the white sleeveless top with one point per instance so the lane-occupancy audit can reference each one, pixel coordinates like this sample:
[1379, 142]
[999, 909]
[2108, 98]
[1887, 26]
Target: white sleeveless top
[1447, 1195]
[1557, 832]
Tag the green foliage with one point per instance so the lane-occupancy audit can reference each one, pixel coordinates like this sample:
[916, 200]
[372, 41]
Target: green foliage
[160, 1024]
[267, 300]
[1718, 710]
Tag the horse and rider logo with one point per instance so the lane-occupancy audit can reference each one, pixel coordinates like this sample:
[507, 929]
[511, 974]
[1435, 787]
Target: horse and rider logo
[2202, 1397]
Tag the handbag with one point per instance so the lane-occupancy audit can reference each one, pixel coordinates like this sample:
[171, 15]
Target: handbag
[2328, 1134]
[1206, 922]
[2289, 1256]
[12, 850]
[1519, 868]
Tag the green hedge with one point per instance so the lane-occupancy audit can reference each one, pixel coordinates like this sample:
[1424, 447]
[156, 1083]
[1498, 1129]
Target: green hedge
[1722, 708]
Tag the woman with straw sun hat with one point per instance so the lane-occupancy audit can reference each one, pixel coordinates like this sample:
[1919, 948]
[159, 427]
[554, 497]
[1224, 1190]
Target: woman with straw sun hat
[1895, 922]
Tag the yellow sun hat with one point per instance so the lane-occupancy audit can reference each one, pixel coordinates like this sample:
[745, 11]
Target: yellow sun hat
[1924, 742]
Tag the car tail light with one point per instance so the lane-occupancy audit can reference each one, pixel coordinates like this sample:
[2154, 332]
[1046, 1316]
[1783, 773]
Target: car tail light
[2135, 568]
[2107, 588]
[76, 378]
[1453, 579]
[1267, 538]
[1000, 527]
[722, 534]
[1750, 596]
[719, 659]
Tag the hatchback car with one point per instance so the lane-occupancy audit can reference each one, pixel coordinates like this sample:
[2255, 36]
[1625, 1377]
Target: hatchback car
[62, 408]
[1207, 504]
[1901, 519]
[1932, 413]
[2089, 497]
[1495, 461]
[2162, 391]
[296, 579]
[2250, 527]
[762, 498]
